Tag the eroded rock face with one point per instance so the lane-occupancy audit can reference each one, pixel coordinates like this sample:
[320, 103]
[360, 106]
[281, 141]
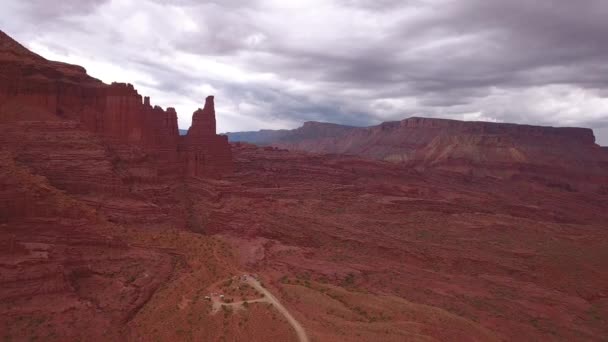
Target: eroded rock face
[89, 173]
[104, 144]
[35, 89]
[202, 150]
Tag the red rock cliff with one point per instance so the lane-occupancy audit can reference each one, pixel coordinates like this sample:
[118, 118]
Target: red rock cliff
[203, 152]
[35, 89]
[570, 134]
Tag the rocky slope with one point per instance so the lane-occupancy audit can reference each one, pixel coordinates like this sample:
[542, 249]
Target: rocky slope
[518, 258]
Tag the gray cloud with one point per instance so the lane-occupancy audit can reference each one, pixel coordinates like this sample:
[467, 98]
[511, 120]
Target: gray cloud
[41, 10]
[275, 63]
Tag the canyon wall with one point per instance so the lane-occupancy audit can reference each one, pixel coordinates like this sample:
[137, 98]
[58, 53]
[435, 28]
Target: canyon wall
[35, 89]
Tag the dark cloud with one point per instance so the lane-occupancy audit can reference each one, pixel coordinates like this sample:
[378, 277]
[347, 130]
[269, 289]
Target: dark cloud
[380, 5]
[276, 63]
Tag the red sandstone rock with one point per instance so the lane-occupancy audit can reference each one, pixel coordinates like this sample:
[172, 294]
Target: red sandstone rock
[203, 121]
[102, 143]
[203, 151]
[32, 88]
[357, 249]
[77, 157]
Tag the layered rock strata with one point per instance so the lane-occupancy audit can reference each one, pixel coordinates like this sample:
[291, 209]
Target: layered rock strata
[35, 89]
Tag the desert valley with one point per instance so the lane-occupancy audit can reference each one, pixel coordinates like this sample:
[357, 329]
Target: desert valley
[114, 227]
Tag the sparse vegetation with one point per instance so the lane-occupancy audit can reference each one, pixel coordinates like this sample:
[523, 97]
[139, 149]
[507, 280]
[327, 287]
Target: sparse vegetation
[349, 280]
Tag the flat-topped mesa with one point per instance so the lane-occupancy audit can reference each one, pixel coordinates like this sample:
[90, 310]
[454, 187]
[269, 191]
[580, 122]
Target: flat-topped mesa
[203, 151]
[547, 133]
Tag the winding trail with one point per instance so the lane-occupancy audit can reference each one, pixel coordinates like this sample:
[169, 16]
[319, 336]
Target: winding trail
[268, 298]
[277, 304]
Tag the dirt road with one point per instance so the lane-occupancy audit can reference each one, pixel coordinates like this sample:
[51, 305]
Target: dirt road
[218, 303]
[277, 304]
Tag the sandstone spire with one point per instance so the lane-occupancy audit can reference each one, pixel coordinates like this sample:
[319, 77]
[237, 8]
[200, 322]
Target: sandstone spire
[205, 153]
[203, 120]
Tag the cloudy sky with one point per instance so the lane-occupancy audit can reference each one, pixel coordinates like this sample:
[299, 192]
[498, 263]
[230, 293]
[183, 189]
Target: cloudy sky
[278, 63]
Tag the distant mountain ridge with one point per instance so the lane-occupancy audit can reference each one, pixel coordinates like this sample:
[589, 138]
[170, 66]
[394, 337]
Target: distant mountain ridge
[309, 130]
[486, 147]
[334, 138]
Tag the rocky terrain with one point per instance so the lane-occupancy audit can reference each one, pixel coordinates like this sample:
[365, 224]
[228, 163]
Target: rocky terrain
[503, 254]
[115, 227]
[561, 155]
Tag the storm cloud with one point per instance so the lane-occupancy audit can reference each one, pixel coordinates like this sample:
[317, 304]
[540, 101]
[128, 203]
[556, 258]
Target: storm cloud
[276, 64]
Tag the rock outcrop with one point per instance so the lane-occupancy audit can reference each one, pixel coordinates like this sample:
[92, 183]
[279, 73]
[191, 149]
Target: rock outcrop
[104, 144]
[88, 173]
[202, 150]
[35, 89]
